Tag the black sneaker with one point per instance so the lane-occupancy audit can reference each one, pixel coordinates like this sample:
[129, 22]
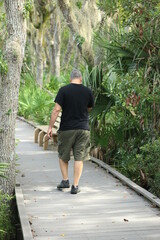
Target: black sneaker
[63, 184]
[75, 190]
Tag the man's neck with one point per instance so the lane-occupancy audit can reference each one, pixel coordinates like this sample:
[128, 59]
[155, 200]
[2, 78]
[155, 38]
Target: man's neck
[76, 81]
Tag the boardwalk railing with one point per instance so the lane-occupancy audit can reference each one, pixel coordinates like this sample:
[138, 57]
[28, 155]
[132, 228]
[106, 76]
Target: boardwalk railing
[155, 200]
[25, 227]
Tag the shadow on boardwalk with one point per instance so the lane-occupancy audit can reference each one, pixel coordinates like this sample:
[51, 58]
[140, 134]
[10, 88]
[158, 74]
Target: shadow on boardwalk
[104, 209]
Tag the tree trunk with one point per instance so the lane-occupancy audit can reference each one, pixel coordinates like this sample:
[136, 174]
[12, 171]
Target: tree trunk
[39, 57]
[57, 42]
[76, 59]
[69, 51]
[14, 53]
[53, 39]
[50, 40]
[39, 16]
[32, 47]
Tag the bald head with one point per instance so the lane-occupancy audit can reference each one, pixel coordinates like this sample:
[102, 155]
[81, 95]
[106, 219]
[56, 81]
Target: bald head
[75, 75]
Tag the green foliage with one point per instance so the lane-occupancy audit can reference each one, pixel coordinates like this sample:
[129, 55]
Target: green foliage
[3, 26]
[3, 33]
[141, 164]
[53, 85]
[28, 60]
[129, 11]
[125, 160]
[79, 40]
[127, 120]
[101, 129]
[57, 82]
[127, 52]
[3, 64]
[79, 4]
[7, 231]
[1, 3]
[3, 168]
[122, 119]
[3, 15]
[8, 112]
[28, 6]
[107, 6]
[34, 103]
[127, 86]
[133, 41]
[148, 161]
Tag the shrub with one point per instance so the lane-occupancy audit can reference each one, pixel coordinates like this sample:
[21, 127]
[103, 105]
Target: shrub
[124, 120]
[34, 103]
[7, 230]
[148, 162]
[57, 82]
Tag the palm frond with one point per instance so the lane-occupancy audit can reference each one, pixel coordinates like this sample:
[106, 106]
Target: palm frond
[124, 50]
[3, 169]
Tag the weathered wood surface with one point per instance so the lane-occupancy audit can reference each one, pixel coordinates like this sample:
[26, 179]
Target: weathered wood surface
[105, 209]
[26, 230]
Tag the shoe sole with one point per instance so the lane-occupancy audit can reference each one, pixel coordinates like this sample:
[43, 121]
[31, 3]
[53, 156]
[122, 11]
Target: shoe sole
[63, 189]
[75, 192]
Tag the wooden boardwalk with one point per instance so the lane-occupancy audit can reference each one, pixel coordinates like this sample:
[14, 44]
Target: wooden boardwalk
[105, 209]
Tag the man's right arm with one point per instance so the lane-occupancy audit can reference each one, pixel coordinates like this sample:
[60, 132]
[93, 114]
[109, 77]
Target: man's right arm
[54, 116]
[56, 111]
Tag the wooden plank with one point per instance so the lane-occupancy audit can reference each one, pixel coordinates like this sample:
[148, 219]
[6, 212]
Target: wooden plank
[56, 124]
[45, 142]
[36, 132]
[58, 119]
[88, 228]
[40, 137]
[60, 114]
[44, 128]
[26, 230]
[85, 222]
[155, 200]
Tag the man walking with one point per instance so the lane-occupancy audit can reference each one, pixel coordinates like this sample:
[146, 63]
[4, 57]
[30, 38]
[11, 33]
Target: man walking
[75, 100]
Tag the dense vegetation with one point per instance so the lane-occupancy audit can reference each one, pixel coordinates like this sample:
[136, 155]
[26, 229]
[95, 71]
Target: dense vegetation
[34, 103]
[128, 80]
[7, 228]
[8, 213]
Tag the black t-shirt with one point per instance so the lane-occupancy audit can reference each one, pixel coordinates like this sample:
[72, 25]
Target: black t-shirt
[75, 99]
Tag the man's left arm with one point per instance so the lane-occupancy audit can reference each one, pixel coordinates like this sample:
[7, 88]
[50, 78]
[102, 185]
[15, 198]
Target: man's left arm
[91, 102]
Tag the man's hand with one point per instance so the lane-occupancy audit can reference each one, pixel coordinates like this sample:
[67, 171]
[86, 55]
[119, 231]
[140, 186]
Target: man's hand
[49, 132]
